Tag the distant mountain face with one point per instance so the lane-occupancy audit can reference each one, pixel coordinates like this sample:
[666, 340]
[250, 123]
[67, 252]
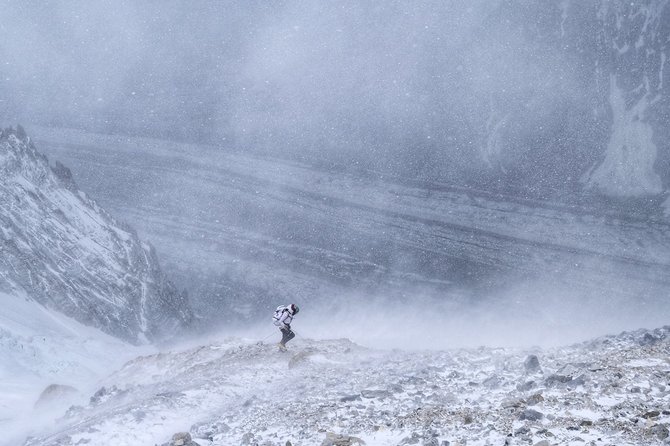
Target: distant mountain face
[61, 249]
[245, 233]
[599, 118]
[528, 95]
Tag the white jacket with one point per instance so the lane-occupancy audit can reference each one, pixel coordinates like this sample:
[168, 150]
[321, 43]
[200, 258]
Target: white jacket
[283, 317]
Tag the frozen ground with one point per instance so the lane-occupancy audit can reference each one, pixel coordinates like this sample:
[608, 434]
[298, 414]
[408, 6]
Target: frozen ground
[39, 348]
[613, 390]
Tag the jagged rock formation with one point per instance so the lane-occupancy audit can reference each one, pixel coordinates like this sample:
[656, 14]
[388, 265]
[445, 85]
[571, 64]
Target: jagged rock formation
[58, 247]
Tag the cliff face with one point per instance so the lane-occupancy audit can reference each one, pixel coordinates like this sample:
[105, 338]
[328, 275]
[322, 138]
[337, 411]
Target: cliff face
[634, 51]
[61, 249]
[599, 117]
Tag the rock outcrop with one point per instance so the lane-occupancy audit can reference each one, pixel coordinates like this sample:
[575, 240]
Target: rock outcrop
[59, 248]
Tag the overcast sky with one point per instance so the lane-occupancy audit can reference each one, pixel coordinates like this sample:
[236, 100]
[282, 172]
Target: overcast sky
[436, 88]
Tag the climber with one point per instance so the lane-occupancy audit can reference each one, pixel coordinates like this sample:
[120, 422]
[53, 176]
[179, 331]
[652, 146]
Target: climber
[282, 318]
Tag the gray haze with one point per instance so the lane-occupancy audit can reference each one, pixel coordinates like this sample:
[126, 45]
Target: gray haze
[465, 91]
[497, 151]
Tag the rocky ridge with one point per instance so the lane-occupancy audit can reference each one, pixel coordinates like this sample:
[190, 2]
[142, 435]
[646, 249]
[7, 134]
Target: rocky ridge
[59, 248]
[613, 390]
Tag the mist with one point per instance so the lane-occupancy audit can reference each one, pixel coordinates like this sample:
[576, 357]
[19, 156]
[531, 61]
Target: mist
[462, 91]
[483, 152]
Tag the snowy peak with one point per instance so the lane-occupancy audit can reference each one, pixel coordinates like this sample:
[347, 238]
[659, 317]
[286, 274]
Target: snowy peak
[61, 249]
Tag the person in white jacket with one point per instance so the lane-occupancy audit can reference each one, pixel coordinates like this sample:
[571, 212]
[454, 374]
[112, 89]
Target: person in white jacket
[283, 318]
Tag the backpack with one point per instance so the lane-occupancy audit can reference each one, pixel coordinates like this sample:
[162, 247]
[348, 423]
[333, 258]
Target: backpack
[278, 312]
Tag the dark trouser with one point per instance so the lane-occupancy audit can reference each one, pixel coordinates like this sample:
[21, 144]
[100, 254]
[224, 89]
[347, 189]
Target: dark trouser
[287, 335]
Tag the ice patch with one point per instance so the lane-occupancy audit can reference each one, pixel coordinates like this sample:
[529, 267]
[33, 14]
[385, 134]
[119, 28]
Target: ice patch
[565, 4]
[628, 168]
[495, 127]
[660, 72]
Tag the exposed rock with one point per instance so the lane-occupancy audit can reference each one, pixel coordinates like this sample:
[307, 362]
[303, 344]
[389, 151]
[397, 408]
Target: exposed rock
[375, 394]
[103, 394]
[299, 359]
[415, 438]
[418, 415]
[576, 382]
[396, 388]
[531, 415]
[534, 399]
[98, 272]
[493, 382]
[208, 430]
[526, 386]
[660, 431]
[555, 380]
[523, 430]
[54, 393]
[648, 339]
[340, 440]
[182, 439]
[532, 364]
[513, 403]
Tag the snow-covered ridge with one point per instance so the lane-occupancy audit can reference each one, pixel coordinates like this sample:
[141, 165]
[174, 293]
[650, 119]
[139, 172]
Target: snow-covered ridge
[59, 248]
[242, 228]
[612, 390]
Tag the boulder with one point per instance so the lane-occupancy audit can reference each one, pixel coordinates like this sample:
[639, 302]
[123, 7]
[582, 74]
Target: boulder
[660, 431]
[340, 440]
[299, 359]
[534, 399]
[513, 403]
[493, 382]
[648, 339]
[55, 394]
[555, 380]
[651, 414]
[182, 439]
[532, 364]
[103, 394]
[531, 415]
[207, 431]
[247, 438]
